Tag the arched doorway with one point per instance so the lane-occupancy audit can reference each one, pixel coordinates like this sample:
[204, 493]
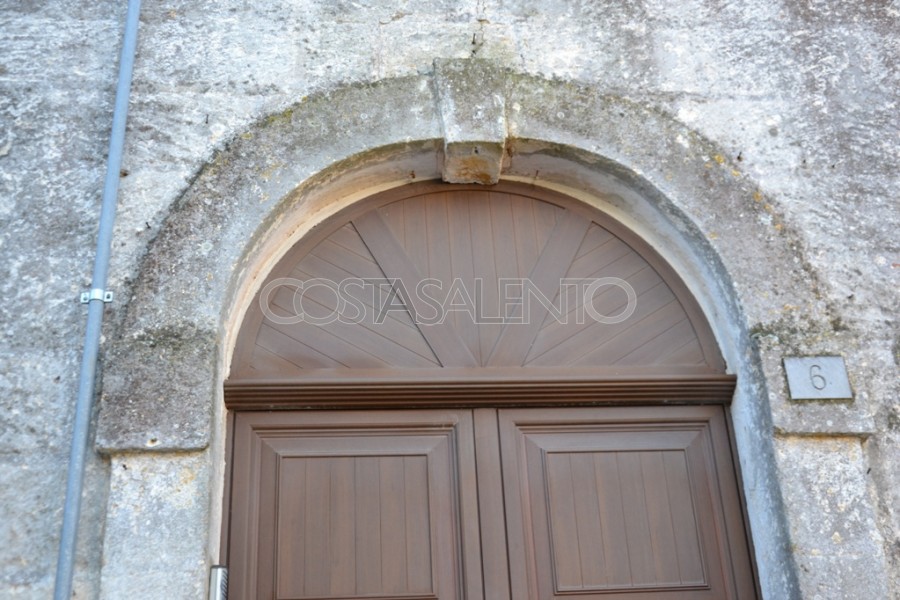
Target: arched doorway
[469, 392]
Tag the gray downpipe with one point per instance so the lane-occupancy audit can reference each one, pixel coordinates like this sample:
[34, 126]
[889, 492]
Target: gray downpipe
[65, 565]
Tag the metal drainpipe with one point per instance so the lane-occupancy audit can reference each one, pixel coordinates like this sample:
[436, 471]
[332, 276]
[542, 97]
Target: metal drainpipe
[95, 300]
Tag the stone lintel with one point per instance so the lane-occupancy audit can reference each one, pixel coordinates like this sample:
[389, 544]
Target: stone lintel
[471, 104]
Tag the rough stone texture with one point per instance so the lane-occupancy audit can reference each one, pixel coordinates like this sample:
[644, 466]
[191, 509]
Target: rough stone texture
[836, 543]
[156, 509]
[166, 371]
[472, 108]
[55, 116]
[763, 133]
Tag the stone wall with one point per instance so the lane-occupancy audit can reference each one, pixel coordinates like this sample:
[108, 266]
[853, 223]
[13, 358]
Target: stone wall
[757, 141]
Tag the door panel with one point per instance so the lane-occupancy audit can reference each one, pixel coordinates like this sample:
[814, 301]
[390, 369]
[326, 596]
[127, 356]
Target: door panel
[619, 503]
[354, 505]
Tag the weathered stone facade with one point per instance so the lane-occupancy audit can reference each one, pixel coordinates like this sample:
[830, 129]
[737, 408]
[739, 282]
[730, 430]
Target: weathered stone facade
[755, 144]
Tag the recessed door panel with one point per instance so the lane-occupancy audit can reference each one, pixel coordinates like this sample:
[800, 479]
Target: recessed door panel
[354, 526]
[620, 503]
[616, 525]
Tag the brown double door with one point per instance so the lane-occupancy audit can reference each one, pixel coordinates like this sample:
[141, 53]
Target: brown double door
[521, 504]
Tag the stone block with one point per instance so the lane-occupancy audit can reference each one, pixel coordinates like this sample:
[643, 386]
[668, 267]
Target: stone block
[472, 108]
[157, 527]
[157, 391]
[835, 539]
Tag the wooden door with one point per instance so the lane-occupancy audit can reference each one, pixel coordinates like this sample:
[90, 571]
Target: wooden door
[491, 311]
[521, 504]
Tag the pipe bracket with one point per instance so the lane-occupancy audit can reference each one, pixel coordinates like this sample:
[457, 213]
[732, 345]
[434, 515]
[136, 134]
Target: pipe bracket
[96, 294]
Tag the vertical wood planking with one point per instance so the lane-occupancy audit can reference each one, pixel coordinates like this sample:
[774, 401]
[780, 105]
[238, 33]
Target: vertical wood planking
[368, 526]
[415, 233]
[437, 251]
[462, 265]
[527, 249]
[539, 544]
[466, 490]
[662, 536]
[317, 580]
[612, 518]
[343, 527]
[684, 522]
[266, 567]
[393, 525]
[515, 340]
[503, 235]
[443, 339]
[515, 493]
[418, 535]
[444, 232]
[291, 526]
[592, 505]
[707, 502]
[637, 527]
[445, 525]
[545, 216]
[480, 218]
[506, 262]
[563, 525]
[395, 214]
[587, 515]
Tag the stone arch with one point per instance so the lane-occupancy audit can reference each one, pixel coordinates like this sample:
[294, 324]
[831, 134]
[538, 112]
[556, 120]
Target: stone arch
[163, 381]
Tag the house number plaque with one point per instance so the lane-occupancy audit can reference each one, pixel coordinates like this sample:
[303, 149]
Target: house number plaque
[817, 378]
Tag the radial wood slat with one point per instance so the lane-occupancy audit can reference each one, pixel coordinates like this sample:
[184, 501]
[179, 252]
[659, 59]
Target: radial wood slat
[463, 269]
[374, 336]
[576, 350]
[441, 337]
[516, 338]
[393, 324]
[567, 336]
[487, 268]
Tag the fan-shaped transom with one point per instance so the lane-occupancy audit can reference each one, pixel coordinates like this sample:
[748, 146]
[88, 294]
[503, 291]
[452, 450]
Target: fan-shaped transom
[466, 278]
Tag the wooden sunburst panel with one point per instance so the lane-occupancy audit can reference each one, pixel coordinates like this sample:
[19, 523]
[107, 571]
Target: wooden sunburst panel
[431, 277]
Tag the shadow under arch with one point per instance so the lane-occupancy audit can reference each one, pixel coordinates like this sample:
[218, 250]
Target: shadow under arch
[165, 368]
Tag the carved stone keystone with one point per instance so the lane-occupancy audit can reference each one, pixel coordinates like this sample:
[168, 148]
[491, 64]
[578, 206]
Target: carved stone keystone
[473, 117]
